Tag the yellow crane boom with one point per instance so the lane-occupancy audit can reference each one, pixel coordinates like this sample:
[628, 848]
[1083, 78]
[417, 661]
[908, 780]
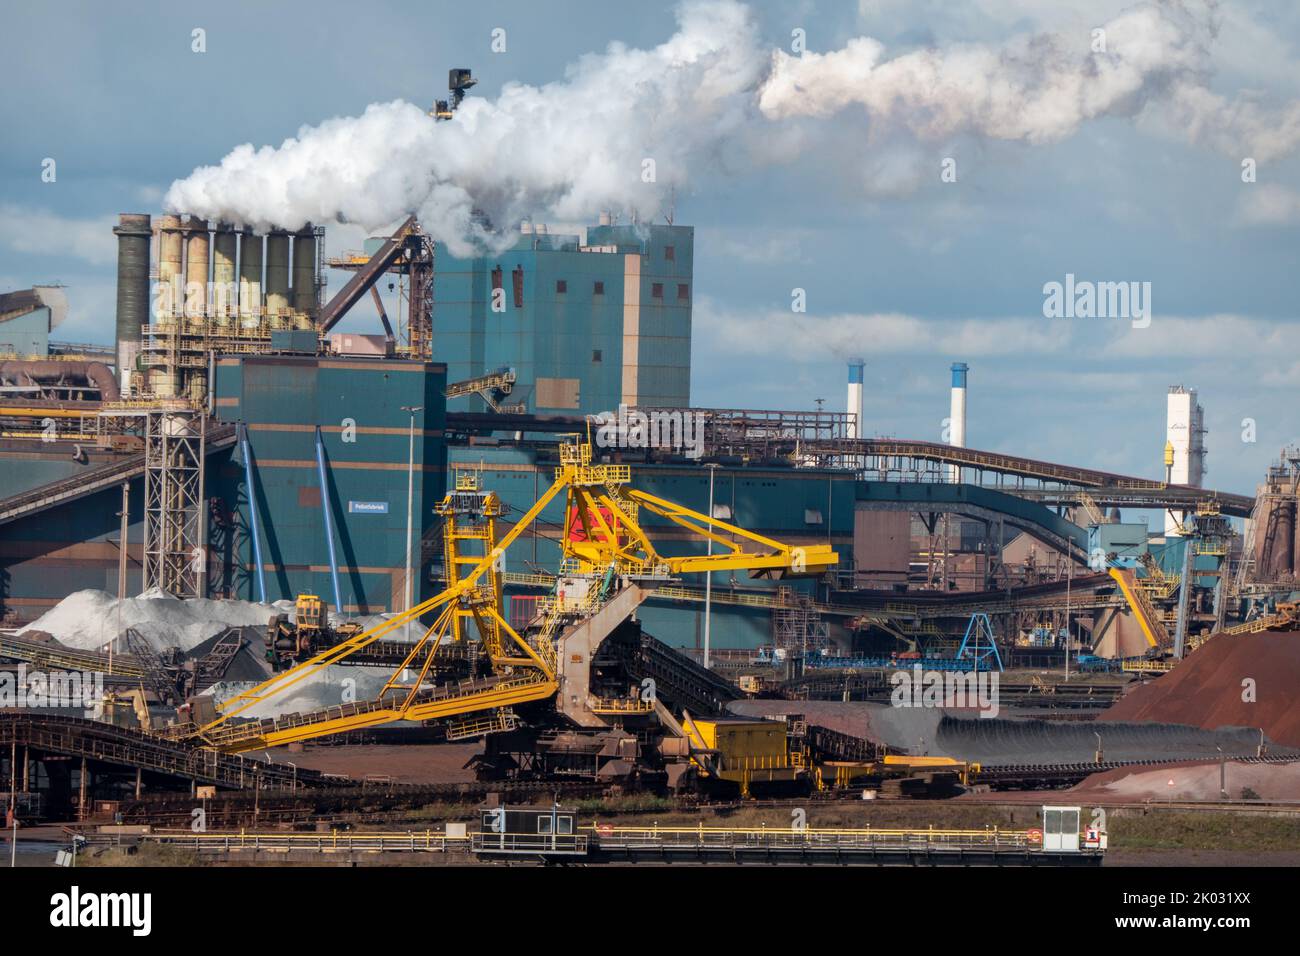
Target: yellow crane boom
[602, 536]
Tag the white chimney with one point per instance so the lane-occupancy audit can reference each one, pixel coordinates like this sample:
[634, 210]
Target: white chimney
[854, 427]
[1185, 431]
[957, 415]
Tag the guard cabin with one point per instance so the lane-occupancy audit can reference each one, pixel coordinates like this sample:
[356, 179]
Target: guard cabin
[529, 831]
[1061, 832]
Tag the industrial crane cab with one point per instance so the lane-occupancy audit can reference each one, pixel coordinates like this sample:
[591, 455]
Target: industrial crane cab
[309, 612]
[289, 642]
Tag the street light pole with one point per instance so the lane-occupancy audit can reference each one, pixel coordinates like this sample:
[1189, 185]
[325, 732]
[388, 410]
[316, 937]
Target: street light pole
[708, 575]
[410, 505]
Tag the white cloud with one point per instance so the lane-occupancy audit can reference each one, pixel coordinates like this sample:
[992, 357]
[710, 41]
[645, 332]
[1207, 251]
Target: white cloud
[1268, 204]
[809, 337]
[779, 246]
[31, 231]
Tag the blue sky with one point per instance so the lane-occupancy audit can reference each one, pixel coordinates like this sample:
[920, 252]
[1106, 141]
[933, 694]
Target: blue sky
[899, 267]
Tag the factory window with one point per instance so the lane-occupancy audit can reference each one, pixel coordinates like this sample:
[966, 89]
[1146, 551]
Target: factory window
[599, 288]
[517, 278]
[561, 286]
[657, 290]
[683, 292]
[810, 516]
[670, 254]
[595, 355]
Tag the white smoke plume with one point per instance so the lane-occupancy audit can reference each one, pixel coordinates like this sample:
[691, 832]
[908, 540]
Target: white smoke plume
[1038, 89]
[1041, 88]
[713, 97]
[564, 150]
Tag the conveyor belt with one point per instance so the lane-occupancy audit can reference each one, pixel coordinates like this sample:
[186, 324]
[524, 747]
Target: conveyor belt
[120, 746]
[678, 679]
[445, 700]
[47, 655]
[92, 480]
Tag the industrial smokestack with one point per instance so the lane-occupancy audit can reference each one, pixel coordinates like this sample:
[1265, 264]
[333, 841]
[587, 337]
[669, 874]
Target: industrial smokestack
[1185, 430]
[304, 271]
[277, 277]
[854, 428]
[250, 279]
[224, 294]
[957, 414]
[133, 233]
[170, 268]
[196, 269]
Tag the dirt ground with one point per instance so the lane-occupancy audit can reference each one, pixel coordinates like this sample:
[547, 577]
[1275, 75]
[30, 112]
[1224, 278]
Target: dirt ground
[404, 763]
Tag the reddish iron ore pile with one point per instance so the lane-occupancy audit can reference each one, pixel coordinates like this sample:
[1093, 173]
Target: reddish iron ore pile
[1208, 688]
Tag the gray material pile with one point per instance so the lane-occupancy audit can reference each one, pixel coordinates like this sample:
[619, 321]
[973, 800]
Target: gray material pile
[89, 620]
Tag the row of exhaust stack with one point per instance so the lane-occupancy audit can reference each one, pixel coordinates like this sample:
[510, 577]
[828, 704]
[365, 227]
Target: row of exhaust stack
[233, 281]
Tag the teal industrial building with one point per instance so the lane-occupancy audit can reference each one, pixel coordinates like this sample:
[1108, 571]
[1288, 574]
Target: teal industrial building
[586, 326]
[364, 413]
[27, 317]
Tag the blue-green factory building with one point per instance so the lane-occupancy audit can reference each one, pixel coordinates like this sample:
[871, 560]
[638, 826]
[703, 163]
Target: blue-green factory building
[586, 325]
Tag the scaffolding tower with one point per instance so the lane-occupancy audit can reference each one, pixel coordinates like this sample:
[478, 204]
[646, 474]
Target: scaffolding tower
[175, 559]
[797, 626]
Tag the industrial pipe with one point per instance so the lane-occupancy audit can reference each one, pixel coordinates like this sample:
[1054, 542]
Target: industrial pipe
[329, 521]
[53, 372]
[252, 510]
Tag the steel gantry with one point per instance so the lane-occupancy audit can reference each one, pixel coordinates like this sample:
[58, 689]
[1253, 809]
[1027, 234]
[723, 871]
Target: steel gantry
[605, 549]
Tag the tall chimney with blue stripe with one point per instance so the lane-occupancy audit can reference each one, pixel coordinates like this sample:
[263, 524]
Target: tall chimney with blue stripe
[957, 416]
[854, 427]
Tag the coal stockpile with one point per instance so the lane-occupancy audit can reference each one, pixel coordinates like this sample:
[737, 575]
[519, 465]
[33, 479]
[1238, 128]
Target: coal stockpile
[1242, 680]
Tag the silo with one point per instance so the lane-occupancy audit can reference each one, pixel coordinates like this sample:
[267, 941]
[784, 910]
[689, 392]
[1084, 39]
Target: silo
[196, 269]
[133, 234]
[250, 279]
[304, 276]
[277, 279]
[224, 293]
